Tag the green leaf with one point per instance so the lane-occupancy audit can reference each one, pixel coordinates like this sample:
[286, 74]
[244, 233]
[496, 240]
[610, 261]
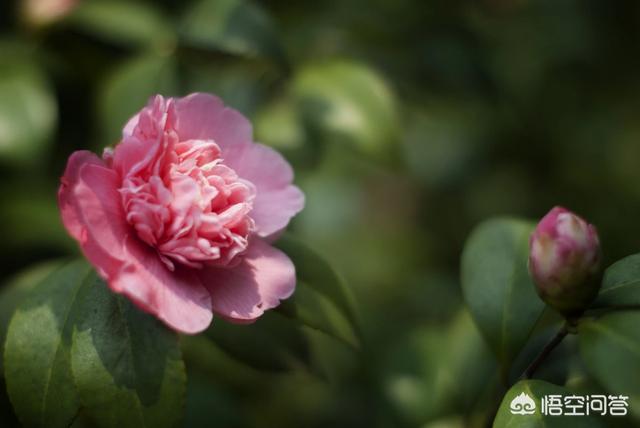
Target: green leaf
[434, 366]
[123, 22]
[271, 343]
[315, 310]
[211, 362]
[129, 88]
[610, 349]
[14, 292]
[621, 283]
[315, 271]
[239, 27]
[37, 350]
[497, 287]
[466, 360]
[206, 400]
[241, 85]
[536, 389]
[321, 300]
[347, 101]
[28, 111]
[279, 124]
[127, 366]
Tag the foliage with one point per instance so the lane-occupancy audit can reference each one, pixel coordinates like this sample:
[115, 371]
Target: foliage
[413, 127]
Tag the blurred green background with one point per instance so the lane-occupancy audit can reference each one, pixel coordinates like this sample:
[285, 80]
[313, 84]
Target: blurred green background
[407, 122]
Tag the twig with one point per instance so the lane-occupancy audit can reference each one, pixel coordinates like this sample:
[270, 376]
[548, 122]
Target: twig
[530, 370]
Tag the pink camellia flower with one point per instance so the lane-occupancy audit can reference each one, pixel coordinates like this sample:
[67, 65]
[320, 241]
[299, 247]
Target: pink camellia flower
[564, 260]
[179, 216]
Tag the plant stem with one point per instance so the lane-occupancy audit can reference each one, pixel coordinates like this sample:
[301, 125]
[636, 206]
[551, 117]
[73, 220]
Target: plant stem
[560, 335]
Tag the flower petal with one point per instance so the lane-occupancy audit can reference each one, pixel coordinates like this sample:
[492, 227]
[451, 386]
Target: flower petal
[66, 199]
[99, 206]
[90, 207]
[205, 117]
[277, 200]
[177, 298]
[263, 278]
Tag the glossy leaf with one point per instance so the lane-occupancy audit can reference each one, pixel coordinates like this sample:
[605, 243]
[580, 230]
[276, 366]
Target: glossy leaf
[28, 110]
[621, 283]
[497, 287]
[610, 349]
[126, 364]
[238, 27]
[129, 88]
[37, 350]
[342, 100]
[123, 22]
[536, 389]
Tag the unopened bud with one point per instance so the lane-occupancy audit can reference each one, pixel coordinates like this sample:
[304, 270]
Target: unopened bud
[43, 12]
[564, 261]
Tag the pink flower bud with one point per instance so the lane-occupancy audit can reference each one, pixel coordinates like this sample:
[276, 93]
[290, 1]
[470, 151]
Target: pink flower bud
[564, 261]
[42, 12]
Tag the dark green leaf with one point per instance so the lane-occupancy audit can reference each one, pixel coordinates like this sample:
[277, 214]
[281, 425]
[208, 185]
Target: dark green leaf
[123, 22]
[28, 111]
[210, 361]
[279, 124]
[37, 350]
[271, 343]
[241, 85]
[128, 90]
[127, 366]
[412, 381]
[497, 286]
[443, 359]
[610, 349]
[443, 140]
[621, 283]
[238, 27]
[313, 309]
[13, 293]
[207, 401]
[446, 358]
[315, 272]
[343, 100]
[467, 360]
[536, 389]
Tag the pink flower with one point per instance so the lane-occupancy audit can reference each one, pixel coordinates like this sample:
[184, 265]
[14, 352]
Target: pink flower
[40, 12]
[564, 260]
[180, 215]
